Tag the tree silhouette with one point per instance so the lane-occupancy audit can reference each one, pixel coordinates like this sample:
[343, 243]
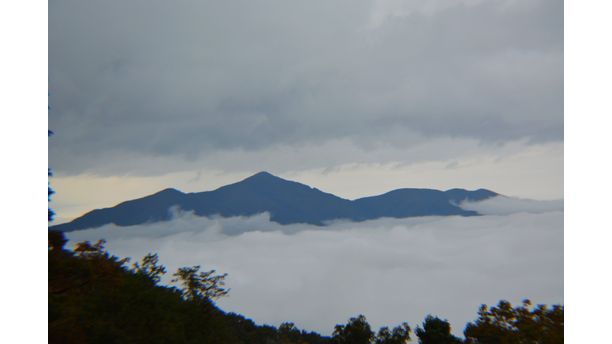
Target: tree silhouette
[399, 335]
[57, 240]
[95, 298]
[356, 331]
[523, 324]
[436, 331]
[150, 268]
[200, 285]
[51, 213]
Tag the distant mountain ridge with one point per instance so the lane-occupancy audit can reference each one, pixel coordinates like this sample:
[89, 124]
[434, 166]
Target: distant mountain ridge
[287, 202]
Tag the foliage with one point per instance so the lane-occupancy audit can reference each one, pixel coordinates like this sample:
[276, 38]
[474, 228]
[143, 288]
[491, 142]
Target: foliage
[436, 331]
[57, 240]
[94, 297]
[523, 324]
[356, 331]
[398, 335]
[202, 285]
[289, 333]
[50, 212]
[150, 268]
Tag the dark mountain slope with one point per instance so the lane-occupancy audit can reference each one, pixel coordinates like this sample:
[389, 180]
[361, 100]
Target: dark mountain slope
[151, 208]
[418, 202]
[286, 201]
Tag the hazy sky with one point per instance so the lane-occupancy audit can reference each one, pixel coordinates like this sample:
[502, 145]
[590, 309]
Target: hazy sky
[354, 97]
[391, 270]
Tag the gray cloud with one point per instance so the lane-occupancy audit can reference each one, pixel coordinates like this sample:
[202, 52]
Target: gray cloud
[391, 270]
[157, 79]
[153, 87]
[503, 205]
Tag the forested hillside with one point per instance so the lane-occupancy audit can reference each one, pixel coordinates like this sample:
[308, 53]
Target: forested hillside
[95, 297]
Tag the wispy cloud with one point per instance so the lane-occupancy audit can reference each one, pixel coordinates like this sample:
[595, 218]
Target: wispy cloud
[502, 205]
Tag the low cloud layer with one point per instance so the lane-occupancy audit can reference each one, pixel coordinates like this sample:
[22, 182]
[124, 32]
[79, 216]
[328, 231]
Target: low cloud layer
[502, 205]
[391, 270]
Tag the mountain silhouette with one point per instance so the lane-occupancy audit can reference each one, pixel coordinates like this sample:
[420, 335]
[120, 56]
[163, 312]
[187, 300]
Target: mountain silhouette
[287, 202]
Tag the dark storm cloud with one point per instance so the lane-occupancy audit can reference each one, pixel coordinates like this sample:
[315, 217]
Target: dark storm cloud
[187, 78]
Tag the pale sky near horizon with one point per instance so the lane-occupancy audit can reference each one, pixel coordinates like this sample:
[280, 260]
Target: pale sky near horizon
[352, 97]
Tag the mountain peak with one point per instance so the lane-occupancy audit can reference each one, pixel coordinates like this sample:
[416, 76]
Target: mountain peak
[168, 191]
[260, 182]
[263, 176]
[286, 201]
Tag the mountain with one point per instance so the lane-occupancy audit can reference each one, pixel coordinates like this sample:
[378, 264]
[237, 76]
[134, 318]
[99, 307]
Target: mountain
[286, 201]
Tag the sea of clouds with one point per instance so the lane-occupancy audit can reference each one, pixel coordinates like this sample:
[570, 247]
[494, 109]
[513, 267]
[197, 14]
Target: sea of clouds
[391, 270]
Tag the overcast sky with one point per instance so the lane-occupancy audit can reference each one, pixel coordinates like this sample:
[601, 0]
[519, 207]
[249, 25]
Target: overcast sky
[354, 97]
